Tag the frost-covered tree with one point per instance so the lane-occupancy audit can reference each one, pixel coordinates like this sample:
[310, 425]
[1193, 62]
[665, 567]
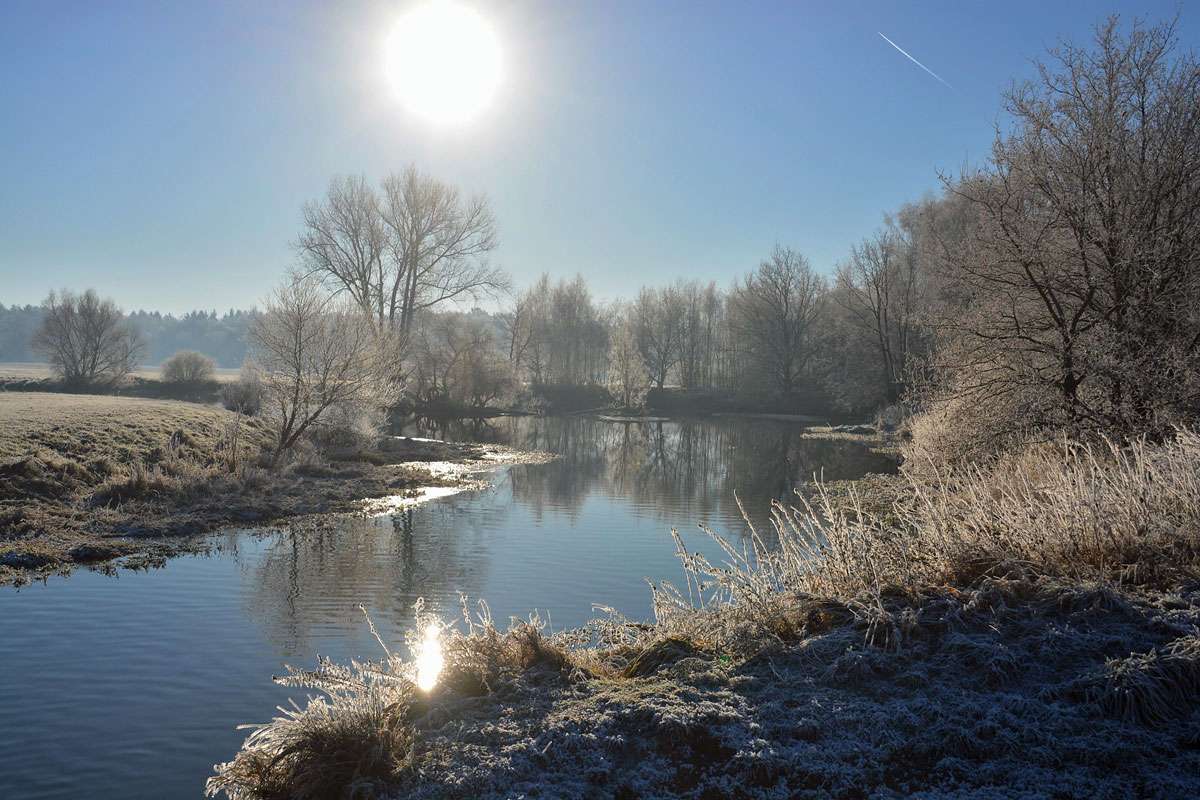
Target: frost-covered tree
[317, 353]
[773, 312]
[626, 378]
[86, 339]
[1078, 287]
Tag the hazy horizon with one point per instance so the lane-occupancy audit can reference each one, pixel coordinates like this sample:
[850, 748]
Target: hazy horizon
[162, 154]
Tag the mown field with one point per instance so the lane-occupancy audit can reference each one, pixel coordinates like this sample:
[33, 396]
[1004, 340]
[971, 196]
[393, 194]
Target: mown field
[81, 475]
[91, 429]
[28, 370]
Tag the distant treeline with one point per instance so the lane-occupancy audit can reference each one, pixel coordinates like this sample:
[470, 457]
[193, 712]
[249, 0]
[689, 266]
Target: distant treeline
[219, 336]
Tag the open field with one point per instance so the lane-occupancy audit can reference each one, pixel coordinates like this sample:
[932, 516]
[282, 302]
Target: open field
[89, 478]
[29, 370]
[90, 429]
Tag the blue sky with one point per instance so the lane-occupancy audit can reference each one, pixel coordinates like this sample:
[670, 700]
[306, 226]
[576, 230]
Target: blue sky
[160, 152]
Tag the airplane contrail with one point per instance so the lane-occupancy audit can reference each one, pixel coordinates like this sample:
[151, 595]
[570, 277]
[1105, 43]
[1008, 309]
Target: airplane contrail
[918, 63]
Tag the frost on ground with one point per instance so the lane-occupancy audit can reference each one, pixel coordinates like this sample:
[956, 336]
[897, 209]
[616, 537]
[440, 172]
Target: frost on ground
[101, 480]
[1016, 689]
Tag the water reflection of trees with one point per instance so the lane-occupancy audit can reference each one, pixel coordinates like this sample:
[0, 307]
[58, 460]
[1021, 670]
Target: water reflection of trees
[564, 484]
[308, 582]
[458, 430]
[311, 578]
[677, 470]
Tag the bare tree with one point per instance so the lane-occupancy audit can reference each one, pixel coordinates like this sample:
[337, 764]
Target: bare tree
[846, 361]
[1081, 277]
[86, 340]
[484, 374]
[244, 395]
[344, 242]
[626, 377]
[316, 354]
[438, 243]
[403, 251]
[520, 328]
[433, 350]
[698, 336]
[456, 360]
[659, 319]
[883, 290]
[529, 333]
[576, 335]
[773, 311]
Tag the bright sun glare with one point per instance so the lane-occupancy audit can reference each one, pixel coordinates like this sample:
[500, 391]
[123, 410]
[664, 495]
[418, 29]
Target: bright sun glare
[443, 60]
[429, 659]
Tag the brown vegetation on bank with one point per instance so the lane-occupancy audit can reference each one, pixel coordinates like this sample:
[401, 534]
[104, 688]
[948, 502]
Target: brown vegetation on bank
[89, 478]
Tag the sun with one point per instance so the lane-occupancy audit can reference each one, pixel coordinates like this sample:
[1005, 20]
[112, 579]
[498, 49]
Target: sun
[443, 61]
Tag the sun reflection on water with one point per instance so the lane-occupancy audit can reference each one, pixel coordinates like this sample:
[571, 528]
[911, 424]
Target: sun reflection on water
[429, 659]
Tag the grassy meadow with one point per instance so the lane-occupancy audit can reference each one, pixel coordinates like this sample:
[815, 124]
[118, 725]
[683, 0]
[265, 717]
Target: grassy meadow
[98, 431]
[90, 478]
[35, 371]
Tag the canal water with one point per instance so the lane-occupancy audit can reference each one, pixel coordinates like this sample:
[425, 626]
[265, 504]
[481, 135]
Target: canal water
[131, 686]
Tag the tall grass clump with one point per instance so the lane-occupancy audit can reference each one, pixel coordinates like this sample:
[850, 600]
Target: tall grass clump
[352, 742]
[1147, 688]
[181, 471]
[362, 735]
[1080, 511]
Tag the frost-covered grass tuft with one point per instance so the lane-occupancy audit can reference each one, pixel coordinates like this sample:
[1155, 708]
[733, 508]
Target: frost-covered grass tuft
[1147, 688]
[355, 742]
[359, 738]
[1083, 511]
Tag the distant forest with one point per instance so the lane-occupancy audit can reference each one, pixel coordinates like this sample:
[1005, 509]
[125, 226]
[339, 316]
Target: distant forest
[220, 336]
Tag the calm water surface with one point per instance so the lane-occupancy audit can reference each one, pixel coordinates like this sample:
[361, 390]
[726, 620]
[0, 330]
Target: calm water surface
[130, 686]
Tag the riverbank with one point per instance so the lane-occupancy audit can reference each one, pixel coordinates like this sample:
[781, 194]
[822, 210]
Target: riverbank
[1015, 687]
[90, 479]
[1028, 629]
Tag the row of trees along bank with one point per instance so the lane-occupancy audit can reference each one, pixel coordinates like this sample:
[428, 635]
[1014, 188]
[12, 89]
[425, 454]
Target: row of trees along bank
[1054, 286]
